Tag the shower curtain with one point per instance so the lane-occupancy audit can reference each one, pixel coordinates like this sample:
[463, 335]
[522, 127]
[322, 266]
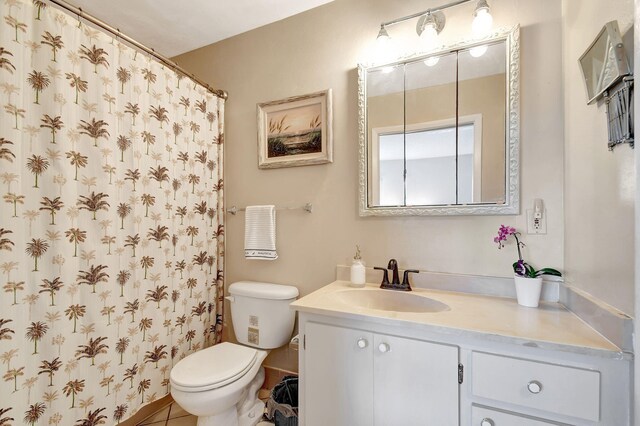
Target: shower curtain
[111, 223]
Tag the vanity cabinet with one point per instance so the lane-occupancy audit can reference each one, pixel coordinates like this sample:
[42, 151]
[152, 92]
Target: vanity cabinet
[357, 377]
[356, 371]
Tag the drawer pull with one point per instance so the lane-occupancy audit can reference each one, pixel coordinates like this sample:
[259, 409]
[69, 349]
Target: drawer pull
[384, 347]
[362, 343]
[487, 422]
[534, 386]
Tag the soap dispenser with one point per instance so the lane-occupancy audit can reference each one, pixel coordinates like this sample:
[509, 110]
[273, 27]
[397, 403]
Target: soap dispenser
[358, 271]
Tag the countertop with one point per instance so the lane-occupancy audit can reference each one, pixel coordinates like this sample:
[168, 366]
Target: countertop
[550, 326]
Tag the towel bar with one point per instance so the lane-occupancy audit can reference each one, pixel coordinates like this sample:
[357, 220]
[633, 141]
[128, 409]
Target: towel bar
[307, 207]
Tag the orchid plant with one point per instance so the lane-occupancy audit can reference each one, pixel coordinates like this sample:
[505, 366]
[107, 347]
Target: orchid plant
[521, 268]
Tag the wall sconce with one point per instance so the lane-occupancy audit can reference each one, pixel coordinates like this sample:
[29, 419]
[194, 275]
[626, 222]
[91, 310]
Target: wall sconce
[482, 19]
[429, 27]
[384, 46]
[432, 21]
[383, 37]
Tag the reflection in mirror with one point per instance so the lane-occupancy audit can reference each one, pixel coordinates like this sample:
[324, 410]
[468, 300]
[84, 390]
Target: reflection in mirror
[482, 82]
[430, 111]
[386, 88]
[430, 154]
[437, 139]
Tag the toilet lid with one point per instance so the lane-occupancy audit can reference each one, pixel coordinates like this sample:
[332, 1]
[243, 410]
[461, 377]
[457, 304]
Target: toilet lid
[213, 367]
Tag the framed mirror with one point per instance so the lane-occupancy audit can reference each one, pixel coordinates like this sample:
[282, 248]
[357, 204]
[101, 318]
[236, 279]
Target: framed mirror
[439, 133]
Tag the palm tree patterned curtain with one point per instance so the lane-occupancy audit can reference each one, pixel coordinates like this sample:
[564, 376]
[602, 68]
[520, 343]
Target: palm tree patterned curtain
[111, 225]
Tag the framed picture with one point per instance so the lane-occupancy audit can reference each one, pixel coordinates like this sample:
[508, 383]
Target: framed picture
[605, 62]
[295, 131]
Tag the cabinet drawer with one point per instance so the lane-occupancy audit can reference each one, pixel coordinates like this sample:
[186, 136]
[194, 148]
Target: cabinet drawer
[482, 416]
[554, 388]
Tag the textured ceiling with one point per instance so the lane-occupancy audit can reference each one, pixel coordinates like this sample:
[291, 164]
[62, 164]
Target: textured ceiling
[172, 27]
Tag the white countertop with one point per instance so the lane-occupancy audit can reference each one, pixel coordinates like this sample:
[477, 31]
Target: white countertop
[549, 326]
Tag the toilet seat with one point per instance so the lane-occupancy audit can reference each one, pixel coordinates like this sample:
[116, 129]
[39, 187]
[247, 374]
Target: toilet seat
[213, 367]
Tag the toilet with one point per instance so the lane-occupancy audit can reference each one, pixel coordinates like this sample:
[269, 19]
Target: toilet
[220, 384]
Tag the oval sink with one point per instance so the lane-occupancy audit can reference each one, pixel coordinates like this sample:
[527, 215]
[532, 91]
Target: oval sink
[390, 300]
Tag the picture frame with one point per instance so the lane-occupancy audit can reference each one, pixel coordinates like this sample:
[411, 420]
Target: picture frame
[604, 63]
[295, 131]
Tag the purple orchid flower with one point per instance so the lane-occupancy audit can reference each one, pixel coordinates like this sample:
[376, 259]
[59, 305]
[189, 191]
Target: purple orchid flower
[503, 233]
[520, 267]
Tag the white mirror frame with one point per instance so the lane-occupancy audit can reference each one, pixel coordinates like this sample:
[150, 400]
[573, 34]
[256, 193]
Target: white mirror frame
[512, 175]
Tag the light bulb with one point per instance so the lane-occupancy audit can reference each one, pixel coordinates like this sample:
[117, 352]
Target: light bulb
[384, 46]
[482, 21]
[383, 39]
[478, 51]
[432, 61]
[429, 36]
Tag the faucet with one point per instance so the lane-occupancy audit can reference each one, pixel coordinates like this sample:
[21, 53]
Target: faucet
[393, 265]
[395, 283]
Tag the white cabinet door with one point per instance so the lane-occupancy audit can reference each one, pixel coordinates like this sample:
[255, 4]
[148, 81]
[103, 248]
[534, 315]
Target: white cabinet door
[415, 382]
[338, 379]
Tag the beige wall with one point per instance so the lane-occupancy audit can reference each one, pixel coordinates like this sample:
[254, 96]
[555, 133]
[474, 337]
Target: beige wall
[599, 185]
[320, 49]
[485, 96]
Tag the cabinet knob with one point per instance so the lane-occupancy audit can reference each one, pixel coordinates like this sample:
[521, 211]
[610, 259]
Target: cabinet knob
[487, 422]
[534, 386]
[362, 343]
[384, 347]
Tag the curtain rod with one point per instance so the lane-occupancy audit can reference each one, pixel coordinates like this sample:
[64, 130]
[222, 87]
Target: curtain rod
[116, 32]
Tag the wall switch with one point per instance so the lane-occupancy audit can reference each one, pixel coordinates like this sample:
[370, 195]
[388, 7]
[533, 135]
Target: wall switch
[537, 222]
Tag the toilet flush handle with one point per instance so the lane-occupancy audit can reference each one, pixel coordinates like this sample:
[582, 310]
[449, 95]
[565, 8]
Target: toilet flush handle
[230, 299]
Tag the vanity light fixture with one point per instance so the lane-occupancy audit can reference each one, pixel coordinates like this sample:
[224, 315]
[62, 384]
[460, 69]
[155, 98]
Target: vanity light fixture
[383, 45]
[429, 27]
[482, 19]
[431, 22]
[383, 36]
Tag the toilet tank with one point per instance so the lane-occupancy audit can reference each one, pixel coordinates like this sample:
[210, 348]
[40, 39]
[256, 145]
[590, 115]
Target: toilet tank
[260, 313]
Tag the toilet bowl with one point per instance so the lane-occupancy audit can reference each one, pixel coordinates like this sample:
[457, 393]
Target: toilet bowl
[220, 384]
[211, 383]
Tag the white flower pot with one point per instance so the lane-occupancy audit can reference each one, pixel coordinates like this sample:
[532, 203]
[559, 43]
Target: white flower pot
[528, 291]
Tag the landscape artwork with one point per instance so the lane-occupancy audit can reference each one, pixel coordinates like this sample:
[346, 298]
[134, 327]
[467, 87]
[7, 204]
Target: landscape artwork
[295, 131]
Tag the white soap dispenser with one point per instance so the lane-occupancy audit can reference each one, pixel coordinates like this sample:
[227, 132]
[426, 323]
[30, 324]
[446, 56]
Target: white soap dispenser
[358, 271]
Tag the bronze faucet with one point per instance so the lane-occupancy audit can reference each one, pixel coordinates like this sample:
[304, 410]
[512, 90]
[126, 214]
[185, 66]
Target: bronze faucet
[395, 283]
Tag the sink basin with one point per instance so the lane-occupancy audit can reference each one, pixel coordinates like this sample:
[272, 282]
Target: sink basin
[390, 300]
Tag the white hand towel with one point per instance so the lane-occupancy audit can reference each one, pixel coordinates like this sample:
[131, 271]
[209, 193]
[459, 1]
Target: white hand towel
[260, 233]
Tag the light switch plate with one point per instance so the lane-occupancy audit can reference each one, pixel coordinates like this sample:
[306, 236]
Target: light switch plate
[539, 228]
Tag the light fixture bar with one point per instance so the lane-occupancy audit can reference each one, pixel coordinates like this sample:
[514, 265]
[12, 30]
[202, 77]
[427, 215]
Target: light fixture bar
[432, 10]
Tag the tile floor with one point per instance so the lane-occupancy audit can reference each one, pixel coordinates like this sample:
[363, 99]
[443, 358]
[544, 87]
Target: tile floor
[174, 415]
[171, 415]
